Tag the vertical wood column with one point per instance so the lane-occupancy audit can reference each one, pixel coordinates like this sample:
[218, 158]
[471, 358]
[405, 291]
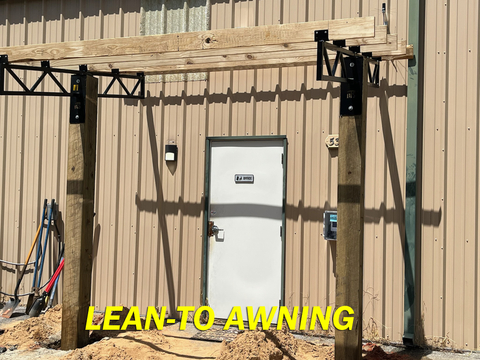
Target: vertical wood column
[79, 222]
[351, 206]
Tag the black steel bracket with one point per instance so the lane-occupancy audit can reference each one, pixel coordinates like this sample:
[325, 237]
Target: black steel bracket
[351, 91]
[46, 70]
[350, 61]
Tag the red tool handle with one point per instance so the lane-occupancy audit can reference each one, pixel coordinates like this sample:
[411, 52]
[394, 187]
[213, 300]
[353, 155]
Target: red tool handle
[57, 272]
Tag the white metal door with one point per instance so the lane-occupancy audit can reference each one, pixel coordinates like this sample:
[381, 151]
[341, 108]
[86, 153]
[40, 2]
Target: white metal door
[246, 202]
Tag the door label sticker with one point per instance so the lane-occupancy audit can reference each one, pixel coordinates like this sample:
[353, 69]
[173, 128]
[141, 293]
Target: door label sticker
[244, 178]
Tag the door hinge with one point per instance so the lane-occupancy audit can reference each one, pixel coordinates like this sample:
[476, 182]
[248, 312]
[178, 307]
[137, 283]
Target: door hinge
[281, 231]
[282, 159]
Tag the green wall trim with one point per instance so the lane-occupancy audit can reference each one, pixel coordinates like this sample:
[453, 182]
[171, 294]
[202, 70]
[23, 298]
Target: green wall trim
[411, 172]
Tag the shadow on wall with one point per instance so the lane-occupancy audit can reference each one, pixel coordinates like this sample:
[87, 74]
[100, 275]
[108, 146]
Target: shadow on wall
[162, 208]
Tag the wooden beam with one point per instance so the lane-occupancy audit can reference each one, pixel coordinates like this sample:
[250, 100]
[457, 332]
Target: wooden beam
[215, 63]
[380, 38]
[401, 50]
[171, 58]
[255, 57]
[351, 206]
[343, 29]
[339, 29]
[389, 45]
[407, 56]
[79, 223]
[125, 61]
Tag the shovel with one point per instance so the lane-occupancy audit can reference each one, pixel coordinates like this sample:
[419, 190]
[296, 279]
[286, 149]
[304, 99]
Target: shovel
[36, 286]
[39, 304]
[12, 304]
[52, 295]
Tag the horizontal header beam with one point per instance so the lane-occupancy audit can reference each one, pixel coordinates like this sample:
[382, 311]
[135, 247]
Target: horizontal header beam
[340, 29]
[270, 46]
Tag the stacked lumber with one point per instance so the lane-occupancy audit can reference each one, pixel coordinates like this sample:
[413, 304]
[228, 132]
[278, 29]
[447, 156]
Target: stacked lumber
[269, 46]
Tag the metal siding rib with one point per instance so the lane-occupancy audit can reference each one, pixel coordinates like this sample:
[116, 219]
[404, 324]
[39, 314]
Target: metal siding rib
[470, 180]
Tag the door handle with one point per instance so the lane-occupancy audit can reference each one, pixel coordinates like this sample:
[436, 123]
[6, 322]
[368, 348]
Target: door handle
[213, 229]
[216, 229]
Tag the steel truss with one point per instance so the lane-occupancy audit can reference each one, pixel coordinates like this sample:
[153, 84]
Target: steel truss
[46, 70]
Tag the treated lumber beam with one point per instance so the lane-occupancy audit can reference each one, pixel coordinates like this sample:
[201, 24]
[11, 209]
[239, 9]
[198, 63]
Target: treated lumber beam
[115, 61]
[339, 29]
[79, 222]
[407, 56]
[120, 62]
[401, 50]
[287, 55]
[253, 63]
[390, 44]
[260, 56]
[380, 38]
[351, 208]
[217, 63]
[260, 60]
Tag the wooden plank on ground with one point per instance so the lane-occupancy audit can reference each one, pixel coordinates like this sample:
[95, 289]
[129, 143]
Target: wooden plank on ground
[79, 223]
[339, 29]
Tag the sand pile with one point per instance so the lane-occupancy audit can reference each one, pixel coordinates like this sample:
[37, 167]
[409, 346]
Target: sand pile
[122, 344]
[272, 345]
[127, 346]
[100, 334]
[34, 332]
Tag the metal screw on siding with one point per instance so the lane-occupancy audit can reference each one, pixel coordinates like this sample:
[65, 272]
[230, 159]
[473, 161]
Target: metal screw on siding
[350, 108]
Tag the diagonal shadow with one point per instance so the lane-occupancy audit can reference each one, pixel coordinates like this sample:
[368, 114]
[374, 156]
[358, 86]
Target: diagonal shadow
[156, 348]
[160, 204]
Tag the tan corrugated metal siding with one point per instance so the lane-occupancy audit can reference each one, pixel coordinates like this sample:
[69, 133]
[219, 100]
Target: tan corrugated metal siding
[148, 227]
[450, 251]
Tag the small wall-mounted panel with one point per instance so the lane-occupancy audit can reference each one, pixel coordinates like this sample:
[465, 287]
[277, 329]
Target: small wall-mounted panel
[330, 225]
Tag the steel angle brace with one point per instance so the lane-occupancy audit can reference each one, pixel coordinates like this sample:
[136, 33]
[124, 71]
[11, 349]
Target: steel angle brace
[117, 77]
[351, 73]
[46, 70]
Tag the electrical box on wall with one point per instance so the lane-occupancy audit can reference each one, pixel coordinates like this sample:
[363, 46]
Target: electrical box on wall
[330, 225]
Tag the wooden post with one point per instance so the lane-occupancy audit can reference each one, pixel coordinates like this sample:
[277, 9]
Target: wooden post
[79, 219]
[351, 189]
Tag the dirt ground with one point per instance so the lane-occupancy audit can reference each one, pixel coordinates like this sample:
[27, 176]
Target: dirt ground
[44, 332]
[39, 338]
